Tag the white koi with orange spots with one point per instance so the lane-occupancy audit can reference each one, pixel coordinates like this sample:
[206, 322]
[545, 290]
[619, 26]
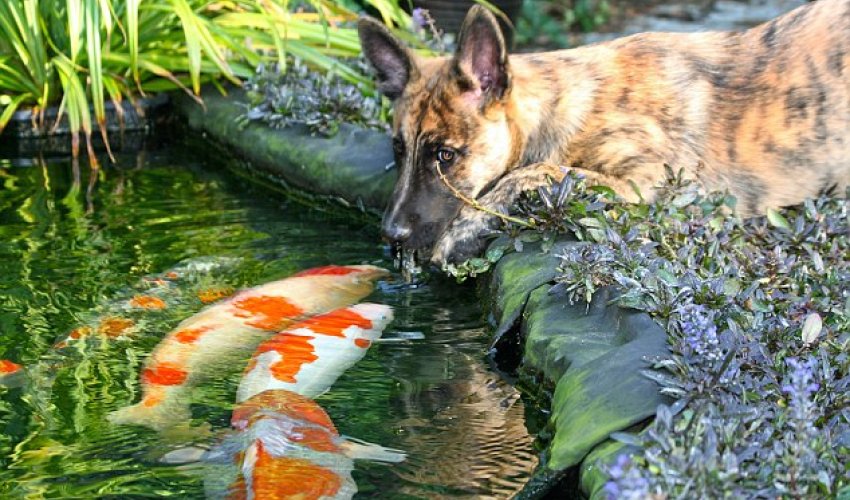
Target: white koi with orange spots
[309, 356]
[205, 342]
[284, 446]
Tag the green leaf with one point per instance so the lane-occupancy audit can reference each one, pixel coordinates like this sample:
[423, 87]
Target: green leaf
[132, 19]
[9, 110]
[777, 220]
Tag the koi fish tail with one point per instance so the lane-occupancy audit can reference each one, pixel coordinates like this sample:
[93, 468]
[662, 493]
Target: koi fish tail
[361, 450]
[158, 413]
[186, 455]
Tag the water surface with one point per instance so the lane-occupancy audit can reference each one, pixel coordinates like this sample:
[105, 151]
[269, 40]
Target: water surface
[72, 255]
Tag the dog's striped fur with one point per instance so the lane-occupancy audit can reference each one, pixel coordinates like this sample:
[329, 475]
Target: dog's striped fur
[764, 114]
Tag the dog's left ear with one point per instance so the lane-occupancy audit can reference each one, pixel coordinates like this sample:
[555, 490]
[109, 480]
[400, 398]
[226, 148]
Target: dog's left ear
[481, 59]
[394, 65]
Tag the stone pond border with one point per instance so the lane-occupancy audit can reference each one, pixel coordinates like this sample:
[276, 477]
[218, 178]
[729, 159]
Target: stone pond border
[588, 358]
[350, 166]
[128, 125]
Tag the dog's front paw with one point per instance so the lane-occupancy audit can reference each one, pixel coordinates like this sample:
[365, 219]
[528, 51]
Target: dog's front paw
[464, 239]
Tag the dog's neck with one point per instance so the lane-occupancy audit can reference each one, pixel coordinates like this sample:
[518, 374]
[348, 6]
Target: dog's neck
[550, 99]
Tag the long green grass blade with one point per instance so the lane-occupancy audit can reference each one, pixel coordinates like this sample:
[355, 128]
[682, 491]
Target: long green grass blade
[193, 41]
[70, 50]
[9, 110]
[75, 26]
[93, 49]
[131, 14]
[106, 13]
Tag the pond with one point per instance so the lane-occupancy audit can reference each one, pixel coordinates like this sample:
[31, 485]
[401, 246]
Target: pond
[74, 255]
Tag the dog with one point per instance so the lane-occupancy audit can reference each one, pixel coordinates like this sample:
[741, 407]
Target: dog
[763, 114]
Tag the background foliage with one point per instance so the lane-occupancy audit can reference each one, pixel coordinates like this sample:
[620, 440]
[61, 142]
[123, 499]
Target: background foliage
[86, 52]
[549, 23]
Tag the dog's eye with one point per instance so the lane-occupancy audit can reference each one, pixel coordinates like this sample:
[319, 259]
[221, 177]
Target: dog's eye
[446, 156]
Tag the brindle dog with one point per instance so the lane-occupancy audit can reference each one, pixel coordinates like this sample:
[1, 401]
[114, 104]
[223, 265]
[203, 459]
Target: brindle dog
[764, 114]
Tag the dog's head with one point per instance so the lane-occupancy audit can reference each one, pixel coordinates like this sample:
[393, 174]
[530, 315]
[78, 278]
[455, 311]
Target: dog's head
[451, 115]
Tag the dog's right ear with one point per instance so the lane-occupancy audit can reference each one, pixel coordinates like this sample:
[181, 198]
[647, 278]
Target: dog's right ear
[393, 62]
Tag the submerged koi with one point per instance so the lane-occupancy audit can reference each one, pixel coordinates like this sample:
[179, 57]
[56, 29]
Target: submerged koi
[206, 341]
[8, 367]
[11, 373]
[210, 295]
[309, 356]
[147, 302]
[116, 318]
[109, 327]
[283, 445]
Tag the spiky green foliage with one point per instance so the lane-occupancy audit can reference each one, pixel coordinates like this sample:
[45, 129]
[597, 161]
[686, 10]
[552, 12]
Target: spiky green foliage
[81, 53]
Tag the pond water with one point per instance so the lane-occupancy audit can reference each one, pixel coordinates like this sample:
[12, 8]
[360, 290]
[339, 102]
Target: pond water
[73, 256]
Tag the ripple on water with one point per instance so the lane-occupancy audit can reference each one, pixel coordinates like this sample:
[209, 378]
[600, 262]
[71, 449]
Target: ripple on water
[69, 261]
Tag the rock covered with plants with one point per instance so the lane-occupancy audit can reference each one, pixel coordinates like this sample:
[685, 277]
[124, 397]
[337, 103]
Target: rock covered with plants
[758, 320]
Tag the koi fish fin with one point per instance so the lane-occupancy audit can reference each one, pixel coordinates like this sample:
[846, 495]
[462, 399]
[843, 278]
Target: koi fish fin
[13, 380]
[186, 455]
[361, 450]
[159, 416]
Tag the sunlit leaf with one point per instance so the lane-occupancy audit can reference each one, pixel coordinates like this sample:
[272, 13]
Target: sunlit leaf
[812, 327]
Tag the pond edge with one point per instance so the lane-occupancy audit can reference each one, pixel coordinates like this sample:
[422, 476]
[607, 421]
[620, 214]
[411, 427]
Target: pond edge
[351, 167]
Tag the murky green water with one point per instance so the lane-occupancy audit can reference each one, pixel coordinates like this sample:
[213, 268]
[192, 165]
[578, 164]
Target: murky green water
[69, 258]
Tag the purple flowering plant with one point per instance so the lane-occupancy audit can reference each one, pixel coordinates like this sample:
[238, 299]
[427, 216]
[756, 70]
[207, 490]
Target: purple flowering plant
[300, 95]
[762, 404]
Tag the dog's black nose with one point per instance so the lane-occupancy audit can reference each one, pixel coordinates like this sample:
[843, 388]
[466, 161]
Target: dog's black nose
[395, 232]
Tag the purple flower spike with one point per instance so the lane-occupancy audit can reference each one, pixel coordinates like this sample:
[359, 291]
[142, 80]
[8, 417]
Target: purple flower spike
[699, 331]
[419, 18]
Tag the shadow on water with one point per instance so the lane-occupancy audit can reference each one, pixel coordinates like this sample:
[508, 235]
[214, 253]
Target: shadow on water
[71, 253]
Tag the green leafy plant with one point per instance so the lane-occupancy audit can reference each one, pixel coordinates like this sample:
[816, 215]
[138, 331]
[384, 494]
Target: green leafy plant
[550, 23]
[322, 102]
[81, 53]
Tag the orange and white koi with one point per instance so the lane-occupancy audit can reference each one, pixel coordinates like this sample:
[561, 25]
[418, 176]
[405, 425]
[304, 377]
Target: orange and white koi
[204, 343]
[283, 446]
[309, 356]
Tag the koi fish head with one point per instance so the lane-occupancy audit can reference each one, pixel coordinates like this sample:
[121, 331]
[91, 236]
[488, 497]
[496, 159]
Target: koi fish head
[283, 404]
[377, 315]
[363, 322]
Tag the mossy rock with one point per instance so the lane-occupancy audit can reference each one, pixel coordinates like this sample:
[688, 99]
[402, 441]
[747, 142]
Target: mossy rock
[594, 354]
[514, 278]
[350, 166]
[607, 394]
[559, 335]
[592, 477]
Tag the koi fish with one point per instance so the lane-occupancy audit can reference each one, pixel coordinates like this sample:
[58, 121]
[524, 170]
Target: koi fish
[11, 373]
[232, 328]
[309, 356]
[109, 327]
[214, 294]
[125, 313]
[283, 445]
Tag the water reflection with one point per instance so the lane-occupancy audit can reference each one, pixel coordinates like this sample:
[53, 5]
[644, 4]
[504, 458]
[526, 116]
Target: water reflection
[69, 255]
